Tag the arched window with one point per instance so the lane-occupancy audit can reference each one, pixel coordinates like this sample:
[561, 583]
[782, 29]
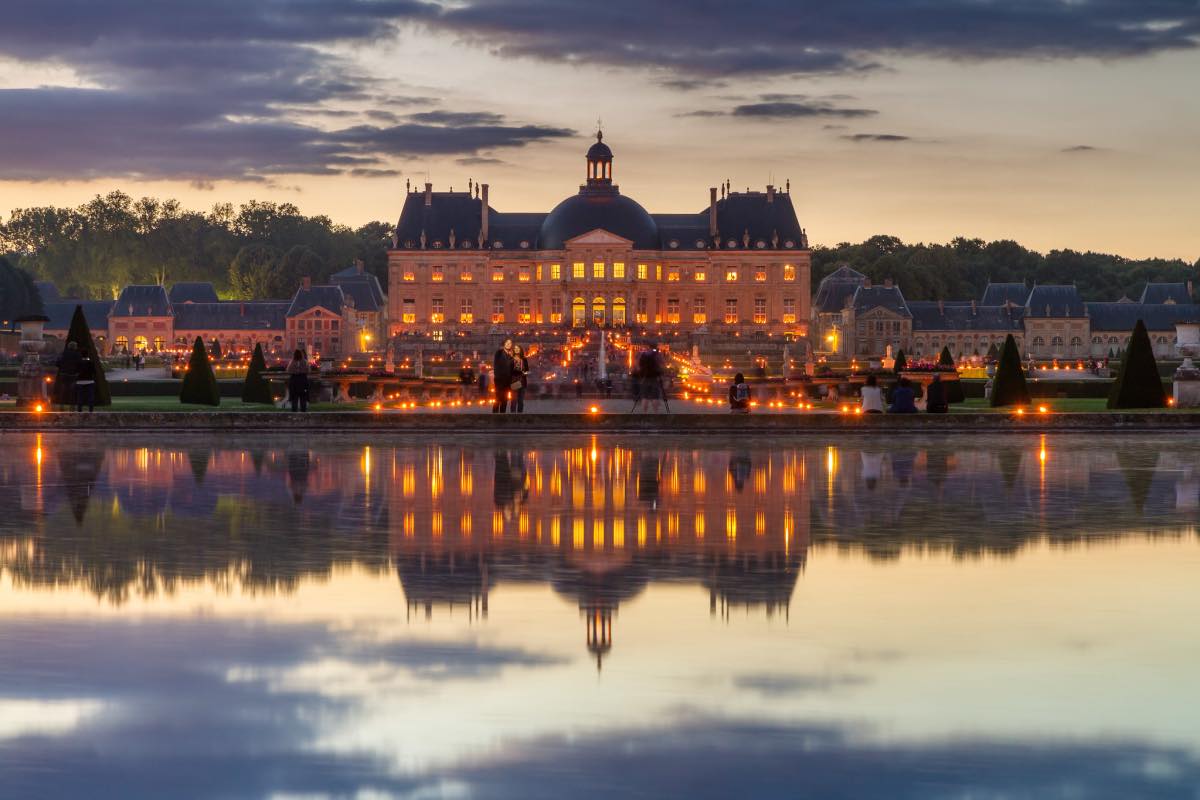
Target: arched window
[618, 311]
[578, 312]
[160, 343]
[140, 343]
[1056, 341]
[122, 343]
[1039, 341]
[598, 311]
[1076, 341]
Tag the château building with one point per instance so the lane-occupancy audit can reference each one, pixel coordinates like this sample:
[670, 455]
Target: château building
[599, 259]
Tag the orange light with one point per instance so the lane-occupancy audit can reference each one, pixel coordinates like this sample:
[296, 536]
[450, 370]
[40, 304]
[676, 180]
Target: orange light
[858, 410]
[594, 410]
[38, 408]
[1020, 412]
[1042, 409]
[845, 409]
[379, 406]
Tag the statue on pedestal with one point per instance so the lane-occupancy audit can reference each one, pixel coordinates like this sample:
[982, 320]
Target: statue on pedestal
[31, 388]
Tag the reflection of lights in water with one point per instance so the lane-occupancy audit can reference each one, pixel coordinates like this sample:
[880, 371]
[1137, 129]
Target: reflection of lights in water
[436, 524]
[556, 531]
[465, 523]
[466, 479]
[699, 484]
[523, 524]
[408, 481]
[641, 530]
[497, 523]
[760, 523]
[730, 523]
[366, 470]
[577, 533]
[598, 534]
[410, 524]
[699, 524]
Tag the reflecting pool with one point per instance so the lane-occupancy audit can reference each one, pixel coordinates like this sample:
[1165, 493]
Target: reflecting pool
[579, 617]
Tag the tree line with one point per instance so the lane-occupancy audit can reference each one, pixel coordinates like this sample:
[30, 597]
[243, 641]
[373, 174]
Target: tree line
[261, 250]
[255, 251]
[962, 269]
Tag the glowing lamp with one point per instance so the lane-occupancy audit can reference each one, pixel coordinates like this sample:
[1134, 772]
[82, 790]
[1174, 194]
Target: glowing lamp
[38, 408]
[594, 410]
[1020, 412]
[1042, 409]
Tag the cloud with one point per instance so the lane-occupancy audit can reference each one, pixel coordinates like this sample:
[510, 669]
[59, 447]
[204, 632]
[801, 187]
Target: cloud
[876, 137]
[798, 110]
[1080, 148]
[773, 684]
[371, 172]
[692, 42]
[479, 161]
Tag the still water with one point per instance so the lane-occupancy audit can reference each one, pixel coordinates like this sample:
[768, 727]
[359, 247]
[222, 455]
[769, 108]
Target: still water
[575, 617]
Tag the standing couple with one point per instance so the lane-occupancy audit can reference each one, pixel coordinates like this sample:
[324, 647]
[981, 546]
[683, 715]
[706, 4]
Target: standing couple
[510, 375]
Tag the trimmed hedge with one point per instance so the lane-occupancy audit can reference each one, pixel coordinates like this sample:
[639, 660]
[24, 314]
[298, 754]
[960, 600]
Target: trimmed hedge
[1008, 386]
[256, 388]
[1138, 384]
[200, 384]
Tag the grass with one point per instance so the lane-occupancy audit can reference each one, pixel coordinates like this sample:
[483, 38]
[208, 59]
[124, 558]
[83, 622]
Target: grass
[170, 404]
[1094, 405]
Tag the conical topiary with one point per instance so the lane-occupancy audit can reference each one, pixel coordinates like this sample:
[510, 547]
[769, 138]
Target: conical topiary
[954, 390]
[1138, 384]
[81, 335]
[216, 349]
[901, 362]
[993, 352]
[199, 382]
[1008, 387]
[257, 389]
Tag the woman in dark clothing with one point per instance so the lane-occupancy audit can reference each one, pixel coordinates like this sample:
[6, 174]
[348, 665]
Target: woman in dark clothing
[935, 397]
[502, 376]
[739, 394]
[297, 372]
[903, 398]
[85, 385]
[520, 380]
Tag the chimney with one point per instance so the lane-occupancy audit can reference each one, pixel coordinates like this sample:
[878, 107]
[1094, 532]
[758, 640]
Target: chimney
[306, 283]
[973, 311]
[359, 266]
[712, 211]
[887, 283]
[770, 193]
[941, 306]
[428, 194]
[1189, 287]
[866, 283]
[483, 212]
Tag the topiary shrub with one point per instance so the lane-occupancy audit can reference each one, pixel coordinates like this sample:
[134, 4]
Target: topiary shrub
[199, 382]
[993, 352]
[256, 388]
[1138, 384]
[1008, 386]
[81, 335]
[901, 362]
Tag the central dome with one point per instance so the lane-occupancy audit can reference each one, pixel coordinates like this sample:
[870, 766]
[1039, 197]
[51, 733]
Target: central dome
[599, 204]
[591, 209]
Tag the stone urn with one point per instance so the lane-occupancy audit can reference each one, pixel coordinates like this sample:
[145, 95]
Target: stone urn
[1186, 385]
[31, 388]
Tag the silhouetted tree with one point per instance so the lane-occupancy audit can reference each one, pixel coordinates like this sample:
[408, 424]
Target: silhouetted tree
[1008, 385]
[257, 389]
[199, 383]
[1138, 384]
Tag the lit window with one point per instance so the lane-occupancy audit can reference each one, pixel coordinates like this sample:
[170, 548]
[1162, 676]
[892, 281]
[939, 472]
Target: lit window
[523, 314]
[122, 342]
[466, 276]
[700, 276]
[641, 272]
[673, 275]
[618, 270]
[497, 309]
[437, 310]
[556, 272]
[466, 313]
[658, 272]
[789, 310]
[556, 309]
[497, 275]
[598, 270]
[436, 275]
[673, 310]
[539, 272]
[409, 275]
[760, 311]
[523, 275]
[731, 314]
[641, 314]
[731, 276]
[159, 342]
[760, 274]
[789, 272]
[578, 270]
[699, 312]
[408, 313]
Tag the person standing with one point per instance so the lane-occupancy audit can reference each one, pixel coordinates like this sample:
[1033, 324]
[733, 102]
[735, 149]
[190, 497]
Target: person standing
[650, 367]
[520, 380]
[297, 372]
[483, 381]
[85, 384]
[502, 376]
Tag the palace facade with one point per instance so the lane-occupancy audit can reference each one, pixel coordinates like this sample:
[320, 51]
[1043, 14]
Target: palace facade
[599, 259]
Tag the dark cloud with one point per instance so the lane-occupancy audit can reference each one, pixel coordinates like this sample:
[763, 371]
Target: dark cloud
[370, 172]
[479, 161]
[876, 137]
[703, 112]
[457, 117]
[799, 110]
[692, 41]
[1080, 148]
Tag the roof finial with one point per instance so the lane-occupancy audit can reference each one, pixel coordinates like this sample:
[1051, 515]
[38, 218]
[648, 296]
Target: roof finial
[599, 129]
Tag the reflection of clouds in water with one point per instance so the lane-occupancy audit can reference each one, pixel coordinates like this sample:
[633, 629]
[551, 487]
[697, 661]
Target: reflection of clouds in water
[777, 684]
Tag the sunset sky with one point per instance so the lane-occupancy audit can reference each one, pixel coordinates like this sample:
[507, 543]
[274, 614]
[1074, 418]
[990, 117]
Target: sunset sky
[1060, 123]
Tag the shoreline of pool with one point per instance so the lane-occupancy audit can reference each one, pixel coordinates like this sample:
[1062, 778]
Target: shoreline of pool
[249, 422]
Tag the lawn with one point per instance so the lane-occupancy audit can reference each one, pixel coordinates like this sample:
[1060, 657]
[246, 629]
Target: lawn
[1059, 404]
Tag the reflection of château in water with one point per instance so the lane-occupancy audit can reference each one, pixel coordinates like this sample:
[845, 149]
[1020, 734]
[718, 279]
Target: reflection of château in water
[598, 520]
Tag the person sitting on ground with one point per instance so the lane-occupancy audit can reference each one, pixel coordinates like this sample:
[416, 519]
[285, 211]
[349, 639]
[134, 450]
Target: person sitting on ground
[739, 395]
[903, 398]
[935, 396]
[872, 396]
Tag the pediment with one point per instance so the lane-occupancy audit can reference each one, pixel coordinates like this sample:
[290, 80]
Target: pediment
[599, 236]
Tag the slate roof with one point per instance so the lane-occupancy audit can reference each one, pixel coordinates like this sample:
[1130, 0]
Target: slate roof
[835, 288]
[1122, 317]
[48, 291]
[1054, 301]
[1166, 293]
[932, 316]
[999, 294]
[94, 311]
[363, 287]
[231, 315]
[329, 297]
[197, 292]
[867, 298]
[142, 301]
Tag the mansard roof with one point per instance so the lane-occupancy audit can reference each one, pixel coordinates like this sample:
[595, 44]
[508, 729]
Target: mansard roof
[745, 220]
[231, 315]
[934, 316]
[193, 292]
[328, 297]
[142, 301]
[836, 288]
[999, 294]
[1123, 317]
[868, 298]
[95, 312]
[1166, 293]
[1054, 301]
[362, 287]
